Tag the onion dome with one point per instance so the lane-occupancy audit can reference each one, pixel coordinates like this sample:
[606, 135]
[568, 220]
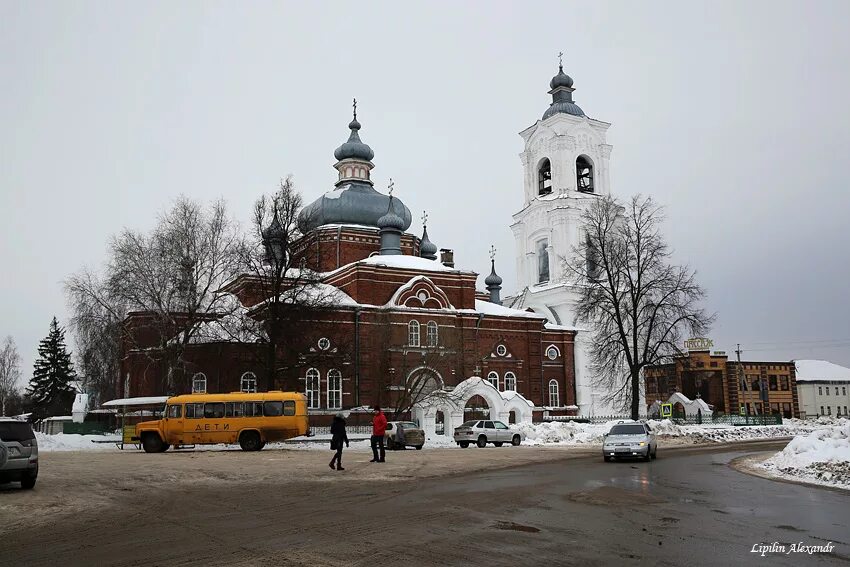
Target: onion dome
[493, 279]
[274, 230]
[562, 96]
[392, 221]
[354, 148]
[427, 249]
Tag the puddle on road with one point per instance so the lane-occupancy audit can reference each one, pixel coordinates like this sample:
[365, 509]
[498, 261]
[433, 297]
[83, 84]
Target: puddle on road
[613, 496]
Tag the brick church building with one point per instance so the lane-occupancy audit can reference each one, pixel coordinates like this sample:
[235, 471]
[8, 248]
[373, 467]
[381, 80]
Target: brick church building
[395, 315]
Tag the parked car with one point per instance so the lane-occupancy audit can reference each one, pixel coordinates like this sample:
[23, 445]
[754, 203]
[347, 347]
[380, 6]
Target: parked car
[629, 439]
[483, 431]
[18, 453]
[414, 436]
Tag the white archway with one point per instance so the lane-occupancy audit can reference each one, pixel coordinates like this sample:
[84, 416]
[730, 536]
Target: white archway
[452, 402]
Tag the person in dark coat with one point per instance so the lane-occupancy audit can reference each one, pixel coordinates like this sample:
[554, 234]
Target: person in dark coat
[338, 437]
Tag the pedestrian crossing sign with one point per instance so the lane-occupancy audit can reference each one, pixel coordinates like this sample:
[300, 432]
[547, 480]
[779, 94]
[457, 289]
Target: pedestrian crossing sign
[743, 410]
[666, 410]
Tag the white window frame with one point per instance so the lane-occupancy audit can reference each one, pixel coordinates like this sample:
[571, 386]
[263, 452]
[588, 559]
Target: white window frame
[198, 378]
[502, 350]
[551, 348]
[413, 333]
[334, 389]
[510, 381]
[554, 394]
[433, 334]
[493, 378]
[249, 377]
[313, 389]
[324, 341]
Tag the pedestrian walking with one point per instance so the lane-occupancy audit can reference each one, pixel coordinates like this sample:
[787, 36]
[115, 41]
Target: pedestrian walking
[338, 437]
[379, 428]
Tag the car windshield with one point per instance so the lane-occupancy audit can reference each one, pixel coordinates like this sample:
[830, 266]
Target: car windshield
[635, 429]
[469, 423]
[11, 431]
[409, 425]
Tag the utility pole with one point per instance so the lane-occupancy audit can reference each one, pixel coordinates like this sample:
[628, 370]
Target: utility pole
[743, 385]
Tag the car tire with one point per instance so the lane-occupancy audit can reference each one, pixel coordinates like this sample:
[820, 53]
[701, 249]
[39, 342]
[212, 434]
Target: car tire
[516, 440]
[28, 481]
[655, 453]
[418, 447]
[498, 443]
[151, 443]
[482, 442]
[647, 456]
[463, 444]
[607, 458]
[4, 455]
[250, 441]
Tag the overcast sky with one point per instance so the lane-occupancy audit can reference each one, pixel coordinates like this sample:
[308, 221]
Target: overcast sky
[732, 114]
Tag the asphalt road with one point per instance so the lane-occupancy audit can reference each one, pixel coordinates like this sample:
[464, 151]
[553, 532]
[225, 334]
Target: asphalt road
[687, 508]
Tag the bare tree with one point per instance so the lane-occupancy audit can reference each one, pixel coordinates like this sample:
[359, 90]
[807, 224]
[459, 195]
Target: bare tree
[637, 301]
[10, 372]
[172, 275]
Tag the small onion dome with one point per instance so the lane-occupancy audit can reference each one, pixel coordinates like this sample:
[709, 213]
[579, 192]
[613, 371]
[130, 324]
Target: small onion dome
[354, 148]
[391, 220]
[427, 249]
[561, 79]
[493, 279]
[274, 230]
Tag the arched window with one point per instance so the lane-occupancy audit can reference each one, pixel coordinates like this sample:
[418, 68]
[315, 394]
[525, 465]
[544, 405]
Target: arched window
[248, 382]
[554, 398]
[493, 378]
[433, 336]
[199, 383]
[542, 261]
[584, 174]
[313, 388]
[413, 333]
[552, 352]
[510, 381]
[334, 389]
[544, 177]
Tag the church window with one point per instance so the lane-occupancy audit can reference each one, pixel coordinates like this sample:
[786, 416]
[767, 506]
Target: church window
[544, 177]
[584, 174]
[199, 383]
[493, 378]
[432, 333]
[413, 333]
[552, 352]
[324, 343]
[542, 261]
[554, 398]
[510, 381]
[348, 172]
[248, 383]
[313, 388]
[334, 389]
[501, 350]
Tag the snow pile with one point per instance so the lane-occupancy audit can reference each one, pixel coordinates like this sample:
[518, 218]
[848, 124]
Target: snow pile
[74, 442]
[563, 433]
[821, 456]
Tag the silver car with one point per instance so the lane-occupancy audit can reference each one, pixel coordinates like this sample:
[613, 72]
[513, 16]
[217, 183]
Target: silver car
[18, 453]
[483, 431]
[629, 439]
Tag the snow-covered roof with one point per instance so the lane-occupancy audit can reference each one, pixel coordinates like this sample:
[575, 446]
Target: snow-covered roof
[145, 401]
[812, 370]
[488, 308]
[407, 263]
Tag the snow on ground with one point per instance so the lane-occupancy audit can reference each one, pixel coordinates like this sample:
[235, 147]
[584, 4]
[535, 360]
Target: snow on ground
[821, 456]
[538, 434]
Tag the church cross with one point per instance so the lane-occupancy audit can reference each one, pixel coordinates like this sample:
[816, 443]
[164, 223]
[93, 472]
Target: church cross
[492, 252]
[424, 218]
[354, 104]
[390, 186]
[560, 59]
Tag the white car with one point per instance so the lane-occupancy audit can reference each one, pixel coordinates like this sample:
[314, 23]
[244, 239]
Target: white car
[629, 439]
[483, 431]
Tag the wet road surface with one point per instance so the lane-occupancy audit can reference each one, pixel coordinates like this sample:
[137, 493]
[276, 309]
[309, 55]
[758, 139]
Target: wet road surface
[687, 508]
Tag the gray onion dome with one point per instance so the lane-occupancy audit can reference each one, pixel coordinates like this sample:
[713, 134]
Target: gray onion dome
[354, 148]
[561, 79]
[274, 230]
[391, 220]
[562, 96]
[426, 247]
[493, 279]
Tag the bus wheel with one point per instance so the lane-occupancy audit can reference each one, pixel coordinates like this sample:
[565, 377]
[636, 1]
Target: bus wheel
[250, 441]
[165, 447]
[151, 443]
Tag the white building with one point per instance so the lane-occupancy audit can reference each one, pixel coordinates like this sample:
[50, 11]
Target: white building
[823, 388]
[566, 166]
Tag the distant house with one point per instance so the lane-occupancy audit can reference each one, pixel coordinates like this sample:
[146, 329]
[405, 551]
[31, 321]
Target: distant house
[823, 388]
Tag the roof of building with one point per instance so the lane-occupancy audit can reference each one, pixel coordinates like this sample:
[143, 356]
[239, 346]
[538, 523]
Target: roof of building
[354, 203]
[562, 96]
[820, 370]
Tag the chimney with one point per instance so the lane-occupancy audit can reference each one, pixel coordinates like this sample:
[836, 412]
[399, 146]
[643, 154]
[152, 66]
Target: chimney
[447, 257]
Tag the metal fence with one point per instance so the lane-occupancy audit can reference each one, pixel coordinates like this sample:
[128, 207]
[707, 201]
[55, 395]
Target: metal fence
[719, 419]
[349, 429]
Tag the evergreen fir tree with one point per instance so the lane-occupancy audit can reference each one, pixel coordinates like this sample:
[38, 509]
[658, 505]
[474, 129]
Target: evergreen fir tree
[50, 389]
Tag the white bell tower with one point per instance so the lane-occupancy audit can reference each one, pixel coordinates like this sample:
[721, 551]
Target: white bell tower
[565, 163]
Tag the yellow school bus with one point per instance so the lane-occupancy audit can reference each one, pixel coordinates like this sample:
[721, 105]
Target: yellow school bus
[252, 420]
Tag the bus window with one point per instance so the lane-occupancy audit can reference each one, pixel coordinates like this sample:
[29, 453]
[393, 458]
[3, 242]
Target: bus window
[214, 410]
[253, 409]
[273, 409]
[289, 408]
[175, 411]
[195, 411]
[233, 409]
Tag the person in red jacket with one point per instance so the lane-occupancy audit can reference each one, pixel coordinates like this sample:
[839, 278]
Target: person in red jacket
[379, 427]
